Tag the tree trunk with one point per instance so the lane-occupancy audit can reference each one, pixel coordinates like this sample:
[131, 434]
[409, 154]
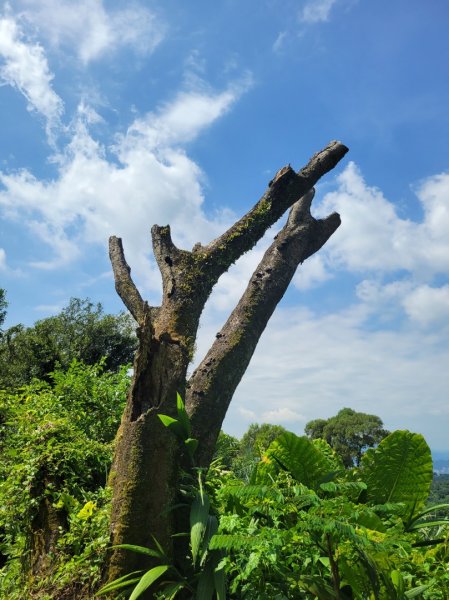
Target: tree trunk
[145, 471]
[46, 525]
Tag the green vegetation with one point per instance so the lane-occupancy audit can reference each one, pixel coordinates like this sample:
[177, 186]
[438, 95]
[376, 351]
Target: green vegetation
[242, 456]
[301, 526]
[346, 512]
[81, 331]
[307, 528]
[201, 574]
[439, 491]
[56, 447]
[349, 433]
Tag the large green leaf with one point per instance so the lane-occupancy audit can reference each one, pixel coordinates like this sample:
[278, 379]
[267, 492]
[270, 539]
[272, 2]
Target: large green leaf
[299, 456]
[122, 582]
[148, 579]
[220, 583]
[206, 585]
[141, 550]
[183, 417]
[399, 470]
[199, 520]
[172, 589]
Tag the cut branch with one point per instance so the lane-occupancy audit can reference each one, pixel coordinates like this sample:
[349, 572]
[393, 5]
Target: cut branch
[212, 385]
[286, 188]
[124, 284]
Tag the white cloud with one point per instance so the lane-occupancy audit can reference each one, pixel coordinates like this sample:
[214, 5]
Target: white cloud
[181, 120]
[428, 305]
[282, 415]
[311, 273]
[25, 67]
[49, 309]
[375, 293]
[2, 259]
[248, 414]
[373, 237]
[233, 283]
[315, 365]
[315, 11]
[151, 180]
[279, 42]
[93, 30]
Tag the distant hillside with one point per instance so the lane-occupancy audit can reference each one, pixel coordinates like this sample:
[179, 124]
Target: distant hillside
[440, 462]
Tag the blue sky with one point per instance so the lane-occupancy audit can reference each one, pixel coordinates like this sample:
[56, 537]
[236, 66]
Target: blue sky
[115, 116]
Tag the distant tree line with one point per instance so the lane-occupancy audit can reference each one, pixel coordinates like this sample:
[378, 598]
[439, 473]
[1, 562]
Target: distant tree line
[80, 331]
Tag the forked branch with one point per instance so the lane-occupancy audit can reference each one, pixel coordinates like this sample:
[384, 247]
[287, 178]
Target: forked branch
[286, 188]
[212, 385]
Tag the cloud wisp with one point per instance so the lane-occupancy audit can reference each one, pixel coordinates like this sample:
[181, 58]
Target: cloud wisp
[373, 237]
[3, 264]
[93, 31]
[24, 66]
[398, 260]
[316, 11]
[149, 178]
[309, 366]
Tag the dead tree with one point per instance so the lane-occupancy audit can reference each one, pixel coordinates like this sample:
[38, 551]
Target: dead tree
[147, 460]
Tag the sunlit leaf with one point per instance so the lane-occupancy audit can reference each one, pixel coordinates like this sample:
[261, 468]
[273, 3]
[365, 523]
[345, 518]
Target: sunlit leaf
[183, 417]
[148, 579]
[300, 457]
[399, 470]
[125, 581]
[140, 550]
[199, 517]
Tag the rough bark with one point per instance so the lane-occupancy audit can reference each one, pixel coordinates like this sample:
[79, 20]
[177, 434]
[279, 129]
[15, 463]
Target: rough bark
[212, 385]
[145, 469]
[46, 525]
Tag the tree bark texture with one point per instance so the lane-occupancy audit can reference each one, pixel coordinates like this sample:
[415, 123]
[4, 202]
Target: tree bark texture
[46, 525]
[147, 460]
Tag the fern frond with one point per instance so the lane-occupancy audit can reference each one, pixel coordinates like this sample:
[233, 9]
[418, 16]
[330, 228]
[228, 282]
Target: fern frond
[232, 542]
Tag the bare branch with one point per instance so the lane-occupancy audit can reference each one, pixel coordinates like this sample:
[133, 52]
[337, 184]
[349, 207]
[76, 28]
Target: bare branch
[283, 191]
[124, 284]
[212, 385]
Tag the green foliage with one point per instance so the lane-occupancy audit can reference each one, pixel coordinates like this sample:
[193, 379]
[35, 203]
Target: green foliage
[349, 433]
[181, 427]
[259, 437]
[439, 490]
[81, 331]
[399, 470]
[304, 528]
[287, 540]
[226, 450]
[56, 444]
[252, 447]
[300, 457]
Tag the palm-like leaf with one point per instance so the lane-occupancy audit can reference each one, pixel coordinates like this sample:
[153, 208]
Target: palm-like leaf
[399, 470]
[199, 521]
[299, 456]
[148, 579]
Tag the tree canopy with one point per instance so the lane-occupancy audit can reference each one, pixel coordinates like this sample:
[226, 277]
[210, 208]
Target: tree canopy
[241, 456]
[349, 433]
[81, 331]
